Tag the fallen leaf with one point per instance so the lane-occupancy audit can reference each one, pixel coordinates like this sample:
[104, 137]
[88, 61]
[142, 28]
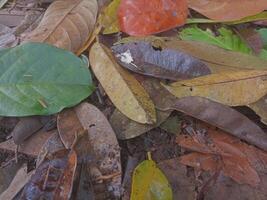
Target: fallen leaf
[145, 18]
[109, 19]
[123, 89]
[42, 80]
[227, 10]
[223, 117]
[69, 127]
[53, 178]
[260, 108]
[7, 38]
[253, 18]
[150, 183]
[172, 125]
[25, 128]
[220, 151]
[182, 185]
[2, 3]
[226, 40]
[11, 18]
[126, 128]
[217, 59]
[230, 88]
[66, 24]
[31, 146]
[104, 144]
[143, 58]
[17, 184]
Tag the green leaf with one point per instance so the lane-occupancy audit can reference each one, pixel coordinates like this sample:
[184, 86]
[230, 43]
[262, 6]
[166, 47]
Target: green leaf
[226, 40]
[257, 17]
[149, 183]
[263, 34]
[40, 79]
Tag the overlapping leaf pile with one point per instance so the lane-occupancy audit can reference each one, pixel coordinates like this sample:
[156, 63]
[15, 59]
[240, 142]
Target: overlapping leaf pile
[208, 58]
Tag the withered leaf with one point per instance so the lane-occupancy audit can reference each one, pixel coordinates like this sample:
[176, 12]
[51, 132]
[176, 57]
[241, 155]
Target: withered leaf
[260, 108]
[230, 88]
[143, 58]
[125, 92]
[224, 118]
[53, 178]
[66, 24]
[69, 127]
[228, 10]
[104, 144]
[220, 151]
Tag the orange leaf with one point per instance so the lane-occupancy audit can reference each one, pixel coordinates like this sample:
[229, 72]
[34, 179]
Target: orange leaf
[141, 17]
[228, 10]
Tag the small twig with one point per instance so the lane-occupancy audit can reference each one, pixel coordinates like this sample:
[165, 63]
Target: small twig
[107, 177]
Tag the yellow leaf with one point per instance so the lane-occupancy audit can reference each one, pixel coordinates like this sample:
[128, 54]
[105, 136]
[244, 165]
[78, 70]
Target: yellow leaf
[230, 88]
[149, 183]
[66, 24]
[123, 89]
[108, 19]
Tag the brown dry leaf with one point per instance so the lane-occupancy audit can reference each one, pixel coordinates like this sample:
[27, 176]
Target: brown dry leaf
[217, 59]
[104, 143]
[230, 88]
[69, 127]
[220, 151]
[18, 182]
[224, 118]
[260, 108]
[31, 146]
[227, 10]
[123, 89]
[66, 24]
[53, 178]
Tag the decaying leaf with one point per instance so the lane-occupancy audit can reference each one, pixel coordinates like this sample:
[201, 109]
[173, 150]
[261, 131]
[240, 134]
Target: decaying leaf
[227, 10]
[42, 80]
[226, 40]
[260, 108]
[7, 38]
[126, 128]
[66, 24]
[123, 89]
[217, 151]
[230, 88]
[53, 178]
[25, 128]
[31, 146]
[69, 127]
[172, 125]
[144, 18]
[2, 3]
[143, 58]
[17, 184]
[150, 183]
[109, 19]
[217, 59]
[104, 143]
[224, 118]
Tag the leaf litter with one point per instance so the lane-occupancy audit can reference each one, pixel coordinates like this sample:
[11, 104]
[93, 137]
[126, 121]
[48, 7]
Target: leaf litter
[152, 91]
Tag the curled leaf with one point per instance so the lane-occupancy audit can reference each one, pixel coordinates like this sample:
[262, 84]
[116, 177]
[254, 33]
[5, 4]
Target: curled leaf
[66, 24]
[143, 58]
[123, 89]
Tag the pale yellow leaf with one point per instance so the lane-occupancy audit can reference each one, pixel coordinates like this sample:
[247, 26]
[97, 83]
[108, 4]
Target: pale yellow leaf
[230, 88]
[66, 24]
[123, 89]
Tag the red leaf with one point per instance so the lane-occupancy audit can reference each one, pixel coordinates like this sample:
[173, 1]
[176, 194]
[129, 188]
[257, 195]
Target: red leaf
[145, 17]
